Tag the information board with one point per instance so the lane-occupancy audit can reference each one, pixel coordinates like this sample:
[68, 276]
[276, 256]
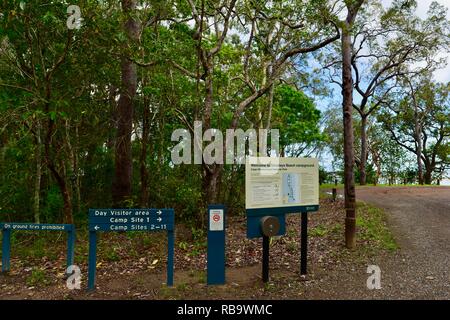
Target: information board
[275, 187]
[281, 182]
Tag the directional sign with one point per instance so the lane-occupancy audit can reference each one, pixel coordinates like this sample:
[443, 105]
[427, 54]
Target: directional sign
[111, 220]
[8, 227]
[127, 227]
[36, 227]
[131, 219]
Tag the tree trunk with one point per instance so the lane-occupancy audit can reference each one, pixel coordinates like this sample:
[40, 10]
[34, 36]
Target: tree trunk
[73, 162]
[210, 172]
[210, 183]
[50, 159]
[363, 162]
[67, 199]
[428, 176]
[376, 161]
[121, 190]
[63, 187]
[77, 174]
[37, 181]
[347, 108]
[419, 154]
[143, 159]
[417, 138]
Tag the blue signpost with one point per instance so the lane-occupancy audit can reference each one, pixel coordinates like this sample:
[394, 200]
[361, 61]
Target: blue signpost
[108, 220]
[216, 245]
[7, 227]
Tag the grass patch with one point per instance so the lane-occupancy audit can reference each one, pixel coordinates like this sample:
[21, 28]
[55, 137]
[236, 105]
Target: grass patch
[30, 245]
[38, 277]
[371, 222]
[111, 254]
[331, 186]
[318, 231]
[292, 247]
[325, 186]
[183, 286]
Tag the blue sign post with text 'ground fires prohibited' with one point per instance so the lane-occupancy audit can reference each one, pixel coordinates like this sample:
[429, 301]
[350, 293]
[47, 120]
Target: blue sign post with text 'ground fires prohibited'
[130, 220]
[7, 227]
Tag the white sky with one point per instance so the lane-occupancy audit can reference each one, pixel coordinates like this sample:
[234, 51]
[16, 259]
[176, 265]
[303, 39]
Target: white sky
[442, 75]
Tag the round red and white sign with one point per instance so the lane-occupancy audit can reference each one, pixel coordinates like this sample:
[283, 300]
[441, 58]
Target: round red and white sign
[216, 217]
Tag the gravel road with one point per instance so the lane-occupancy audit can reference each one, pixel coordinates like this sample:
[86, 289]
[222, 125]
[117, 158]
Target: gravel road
[419, 218]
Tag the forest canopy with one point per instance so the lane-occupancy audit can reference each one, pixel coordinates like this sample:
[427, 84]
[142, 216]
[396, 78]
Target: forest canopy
[89, 99]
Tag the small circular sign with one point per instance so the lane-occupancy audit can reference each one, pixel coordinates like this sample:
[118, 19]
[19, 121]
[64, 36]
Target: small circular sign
[216, 218]
[270, 226]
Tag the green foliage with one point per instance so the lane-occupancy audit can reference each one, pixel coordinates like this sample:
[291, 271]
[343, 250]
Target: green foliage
[38, 277]
[297, 118]
[51, 205]
[318, 231]
[325, 177]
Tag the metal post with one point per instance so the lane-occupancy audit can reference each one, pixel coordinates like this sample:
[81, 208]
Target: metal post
[70, 247]
[265, 265]
[170, 243]
[216, 245]
[304, 244]
[6, 250]
[92, 259]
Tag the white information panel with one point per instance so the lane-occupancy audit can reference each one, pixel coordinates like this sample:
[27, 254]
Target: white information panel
[281, 182]
[216, 220]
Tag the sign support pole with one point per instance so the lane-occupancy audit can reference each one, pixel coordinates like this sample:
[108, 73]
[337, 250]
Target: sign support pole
[265, 262]
[70, 247]
[304, 244]
[92, 259]
[6, 250]
[216, 245]
[170, 244]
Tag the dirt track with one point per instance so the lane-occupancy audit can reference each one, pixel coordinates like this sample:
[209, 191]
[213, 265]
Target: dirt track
[419, 216]
[420, 220]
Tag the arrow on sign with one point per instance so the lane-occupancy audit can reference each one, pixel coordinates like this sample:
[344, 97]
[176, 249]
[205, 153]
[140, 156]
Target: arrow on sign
[159, 212]
[96, 228]
[159, 219]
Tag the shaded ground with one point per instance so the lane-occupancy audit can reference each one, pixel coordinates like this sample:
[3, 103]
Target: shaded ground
[132, 265]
